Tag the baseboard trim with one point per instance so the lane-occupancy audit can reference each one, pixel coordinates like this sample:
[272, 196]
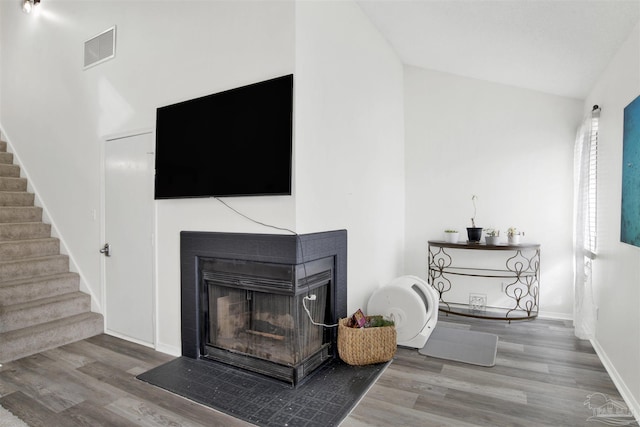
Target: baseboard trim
[625, 392]
[169, 349]
[554, 316]
[162, 348]
[128, 338]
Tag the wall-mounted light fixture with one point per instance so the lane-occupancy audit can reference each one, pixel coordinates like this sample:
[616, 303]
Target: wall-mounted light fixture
[29, 5]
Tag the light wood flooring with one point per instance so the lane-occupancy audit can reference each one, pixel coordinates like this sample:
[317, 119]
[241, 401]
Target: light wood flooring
[542, 377]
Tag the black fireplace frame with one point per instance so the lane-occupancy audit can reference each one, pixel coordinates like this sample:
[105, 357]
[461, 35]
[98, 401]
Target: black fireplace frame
[195, 246]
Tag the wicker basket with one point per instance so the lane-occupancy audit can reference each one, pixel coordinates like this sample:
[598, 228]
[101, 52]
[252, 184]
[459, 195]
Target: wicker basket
[364, 346]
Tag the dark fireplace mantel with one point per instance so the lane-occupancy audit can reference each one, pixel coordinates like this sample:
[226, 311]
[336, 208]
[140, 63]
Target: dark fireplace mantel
[197, 247]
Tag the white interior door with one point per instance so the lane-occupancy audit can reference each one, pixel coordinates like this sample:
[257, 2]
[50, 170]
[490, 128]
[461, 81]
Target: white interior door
[129, 225]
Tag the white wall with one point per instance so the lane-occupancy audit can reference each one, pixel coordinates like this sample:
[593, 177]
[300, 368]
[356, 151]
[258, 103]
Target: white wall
[350, 141]
[57, 115]
[511, 147]
[616, 278]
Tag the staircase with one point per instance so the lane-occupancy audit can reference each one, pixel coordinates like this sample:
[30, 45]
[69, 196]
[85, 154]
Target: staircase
[41, 306]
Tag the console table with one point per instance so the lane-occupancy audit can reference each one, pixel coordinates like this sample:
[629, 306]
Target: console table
[521, 273]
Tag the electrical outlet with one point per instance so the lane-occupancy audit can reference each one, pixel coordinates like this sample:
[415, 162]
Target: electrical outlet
[478, 302]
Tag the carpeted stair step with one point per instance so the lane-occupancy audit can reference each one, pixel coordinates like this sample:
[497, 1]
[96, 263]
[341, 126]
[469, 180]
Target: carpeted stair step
[33, 267]
[24, 290]
[25, 342]
[6, 158]
[43, 310]
[9, 170]
[13, 184]
[16, 198]
[16, 249]
[24, 230]
[41, 306]
[20, 214]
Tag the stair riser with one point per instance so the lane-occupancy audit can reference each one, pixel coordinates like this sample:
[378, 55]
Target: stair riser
[39, 288]
[23, 231]
[20, 214]
[16, 346]
[12, 270]
[28, 249]
[10, 170]
[6, 158]
[13, 184]
[18, 319]
[16, 199]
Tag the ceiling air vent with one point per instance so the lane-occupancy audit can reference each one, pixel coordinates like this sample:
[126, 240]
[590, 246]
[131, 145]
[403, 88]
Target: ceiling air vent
[100, 48]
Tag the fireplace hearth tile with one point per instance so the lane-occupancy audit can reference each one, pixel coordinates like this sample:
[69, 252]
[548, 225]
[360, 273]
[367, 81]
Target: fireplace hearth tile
[323, 399]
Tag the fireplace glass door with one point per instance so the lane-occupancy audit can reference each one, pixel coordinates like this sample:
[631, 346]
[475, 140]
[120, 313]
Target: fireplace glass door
[265, 325]
[255, 316]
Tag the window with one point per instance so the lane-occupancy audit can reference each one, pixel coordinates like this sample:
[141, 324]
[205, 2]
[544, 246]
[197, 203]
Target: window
[585, 220]
[587, 188]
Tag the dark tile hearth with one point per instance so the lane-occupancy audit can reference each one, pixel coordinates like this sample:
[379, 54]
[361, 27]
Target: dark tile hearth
[248, 348]
[323, 400]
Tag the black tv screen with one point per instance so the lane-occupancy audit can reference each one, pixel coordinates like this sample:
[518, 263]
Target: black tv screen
[233, 143]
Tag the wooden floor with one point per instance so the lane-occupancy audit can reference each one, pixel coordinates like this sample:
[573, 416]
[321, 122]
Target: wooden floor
[542, 377]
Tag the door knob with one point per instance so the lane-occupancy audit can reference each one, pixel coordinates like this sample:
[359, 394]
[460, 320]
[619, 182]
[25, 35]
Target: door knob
[106, 249]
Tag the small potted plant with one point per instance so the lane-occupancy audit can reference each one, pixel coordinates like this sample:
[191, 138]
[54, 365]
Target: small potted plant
[474, 233]
[513, 235]
[492, 237]
[451, 235]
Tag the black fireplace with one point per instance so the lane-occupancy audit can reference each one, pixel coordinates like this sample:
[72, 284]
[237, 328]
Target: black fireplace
[244, 298]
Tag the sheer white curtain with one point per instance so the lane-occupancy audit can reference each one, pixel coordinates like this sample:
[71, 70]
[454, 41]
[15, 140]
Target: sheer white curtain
[585, 223]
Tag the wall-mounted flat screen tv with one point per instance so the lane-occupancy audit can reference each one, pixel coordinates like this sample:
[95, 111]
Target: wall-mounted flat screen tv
[233, 143]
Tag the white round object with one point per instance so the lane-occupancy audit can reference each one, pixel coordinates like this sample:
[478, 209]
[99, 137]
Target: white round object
[403, 301]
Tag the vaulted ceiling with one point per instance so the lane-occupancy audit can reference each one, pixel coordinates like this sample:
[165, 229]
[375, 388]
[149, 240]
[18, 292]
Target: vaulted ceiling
[554, 46]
